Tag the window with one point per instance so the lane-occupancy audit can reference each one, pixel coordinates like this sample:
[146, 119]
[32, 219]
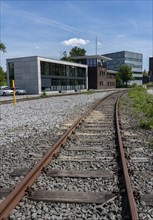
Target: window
[44, 68]
[11, 72]
[80, 72]
[53, 69]
[72, 71]
[57, 69]
[63, 70]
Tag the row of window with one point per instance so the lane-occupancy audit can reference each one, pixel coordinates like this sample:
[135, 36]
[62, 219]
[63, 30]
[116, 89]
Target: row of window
[102, 72]
[56, 81]
[62, 84]
[111, 83]
[56, 69]
[134, 59]
[134, 65]
[130, 55]
[116, 65]
[66, 87]
[108, 83]
[91, 62]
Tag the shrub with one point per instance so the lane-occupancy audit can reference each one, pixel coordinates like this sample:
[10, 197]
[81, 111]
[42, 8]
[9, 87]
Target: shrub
[133, 85]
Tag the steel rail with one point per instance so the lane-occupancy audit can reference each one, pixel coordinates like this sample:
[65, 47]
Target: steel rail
[10, 202]
[131, 200]
[4, 102]
[25, 99]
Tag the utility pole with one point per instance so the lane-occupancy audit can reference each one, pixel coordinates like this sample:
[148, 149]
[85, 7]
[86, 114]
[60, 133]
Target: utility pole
[96, 45]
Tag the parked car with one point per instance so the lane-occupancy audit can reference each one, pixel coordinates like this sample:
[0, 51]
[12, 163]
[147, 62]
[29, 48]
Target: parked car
[5, 90]
[20, 91]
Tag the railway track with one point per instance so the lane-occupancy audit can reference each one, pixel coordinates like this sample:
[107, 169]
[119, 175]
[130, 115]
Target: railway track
[30, 98]
[87, 177]
[23, 98]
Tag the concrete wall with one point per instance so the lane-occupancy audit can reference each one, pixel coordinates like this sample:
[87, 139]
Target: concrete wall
[26, 73]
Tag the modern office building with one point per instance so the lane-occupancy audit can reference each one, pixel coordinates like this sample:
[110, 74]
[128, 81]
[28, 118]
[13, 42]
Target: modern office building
[132, 59]
[36, 74]
[98, 75]
[151, 69]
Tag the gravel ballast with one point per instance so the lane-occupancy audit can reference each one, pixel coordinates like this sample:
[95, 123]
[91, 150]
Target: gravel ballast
[33, 123]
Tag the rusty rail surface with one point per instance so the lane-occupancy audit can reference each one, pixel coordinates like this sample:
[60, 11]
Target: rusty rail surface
[131, 200]
[22, 187]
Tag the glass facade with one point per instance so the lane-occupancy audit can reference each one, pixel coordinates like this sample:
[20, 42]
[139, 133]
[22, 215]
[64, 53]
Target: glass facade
[131, 59]
[93, 62]
[57, 77]
[151, 64]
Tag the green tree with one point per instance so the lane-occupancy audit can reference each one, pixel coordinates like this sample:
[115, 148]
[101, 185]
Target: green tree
[3, 77]
[75, 51]
[145, 73]
[65, 56]
[125, 74]
[2, 47]
[118, 81]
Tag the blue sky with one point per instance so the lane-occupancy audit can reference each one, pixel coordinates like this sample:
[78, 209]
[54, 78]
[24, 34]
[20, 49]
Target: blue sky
[48, 28]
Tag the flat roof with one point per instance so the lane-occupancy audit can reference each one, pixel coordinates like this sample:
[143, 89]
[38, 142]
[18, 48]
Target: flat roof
[92, 57]
[48, 59]
[122, 51]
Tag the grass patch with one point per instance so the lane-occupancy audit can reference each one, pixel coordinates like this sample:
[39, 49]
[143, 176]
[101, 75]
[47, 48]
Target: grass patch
[43, 95]
[150, 84]
[143, 106]
[89, 92]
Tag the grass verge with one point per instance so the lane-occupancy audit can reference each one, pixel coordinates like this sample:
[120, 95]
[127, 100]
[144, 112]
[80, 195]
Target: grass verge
[143, 105]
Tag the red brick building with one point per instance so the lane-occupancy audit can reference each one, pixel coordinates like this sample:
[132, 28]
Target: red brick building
[98, 75]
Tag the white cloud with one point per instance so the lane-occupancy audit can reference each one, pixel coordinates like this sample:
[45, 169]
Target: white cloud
[75, 42]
